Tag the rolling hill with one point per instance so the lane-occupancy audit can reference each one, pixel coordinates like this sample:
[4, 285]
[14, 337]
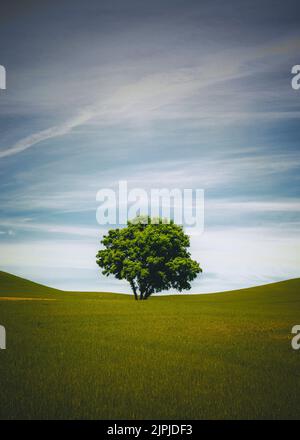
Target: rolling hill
[101, 355]
[12, 284]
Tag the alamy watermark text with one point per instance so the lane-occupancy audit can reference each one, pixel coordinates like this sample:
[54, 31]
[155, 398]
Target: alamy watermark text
[2, 338]
[2, 78]
[184, 206]
[296, 78]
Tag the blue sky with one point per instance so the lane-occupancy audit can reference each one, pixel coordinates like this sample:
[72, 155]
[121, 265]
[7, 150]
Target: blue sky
[188, 94]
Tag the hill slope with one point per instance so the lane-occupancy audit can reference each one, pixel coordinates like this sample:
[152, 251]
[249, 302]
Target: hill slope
[100, 355]
[12, 284]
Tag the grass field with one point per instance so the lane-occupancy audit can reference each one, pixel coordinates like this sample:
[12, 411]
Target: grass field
[105, 356]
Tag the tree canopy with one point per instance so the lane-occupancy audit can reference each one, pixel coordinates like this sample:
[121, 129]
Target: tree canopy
[151, 254]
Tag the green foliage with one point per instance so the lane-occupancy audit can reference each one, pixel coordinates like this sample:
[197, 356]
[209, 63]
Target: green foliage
[151, 255]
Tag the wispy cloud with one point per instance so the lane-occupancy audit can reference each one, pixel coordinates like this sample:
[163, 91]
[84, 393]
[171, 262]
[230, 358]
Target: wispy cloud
[43, 135]
[49, 228]
[69, 194]
[255, 206]
[150, 94]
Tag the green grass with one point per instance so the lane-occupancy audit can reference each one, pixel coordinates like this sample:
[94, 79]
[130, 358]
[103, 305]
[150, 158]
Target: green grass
[103, 355]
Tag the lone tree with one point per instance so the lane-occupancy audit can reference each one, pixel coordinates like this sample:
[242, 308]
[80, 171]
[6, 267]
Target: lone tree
[150, 254]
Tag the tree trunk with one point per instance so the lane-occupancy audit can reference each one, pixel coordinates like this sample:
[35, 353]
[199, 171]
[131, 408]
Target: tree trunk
[147, 294]
[134, 290]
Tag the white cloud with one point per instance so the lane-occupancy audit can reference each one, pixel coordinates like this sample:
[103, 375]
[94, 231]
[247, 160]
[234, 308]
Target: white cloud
[45, 254]
[243, 257]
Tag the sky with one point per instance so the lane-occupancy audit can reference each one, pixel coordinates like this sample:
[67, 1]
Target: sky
[161, 94]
